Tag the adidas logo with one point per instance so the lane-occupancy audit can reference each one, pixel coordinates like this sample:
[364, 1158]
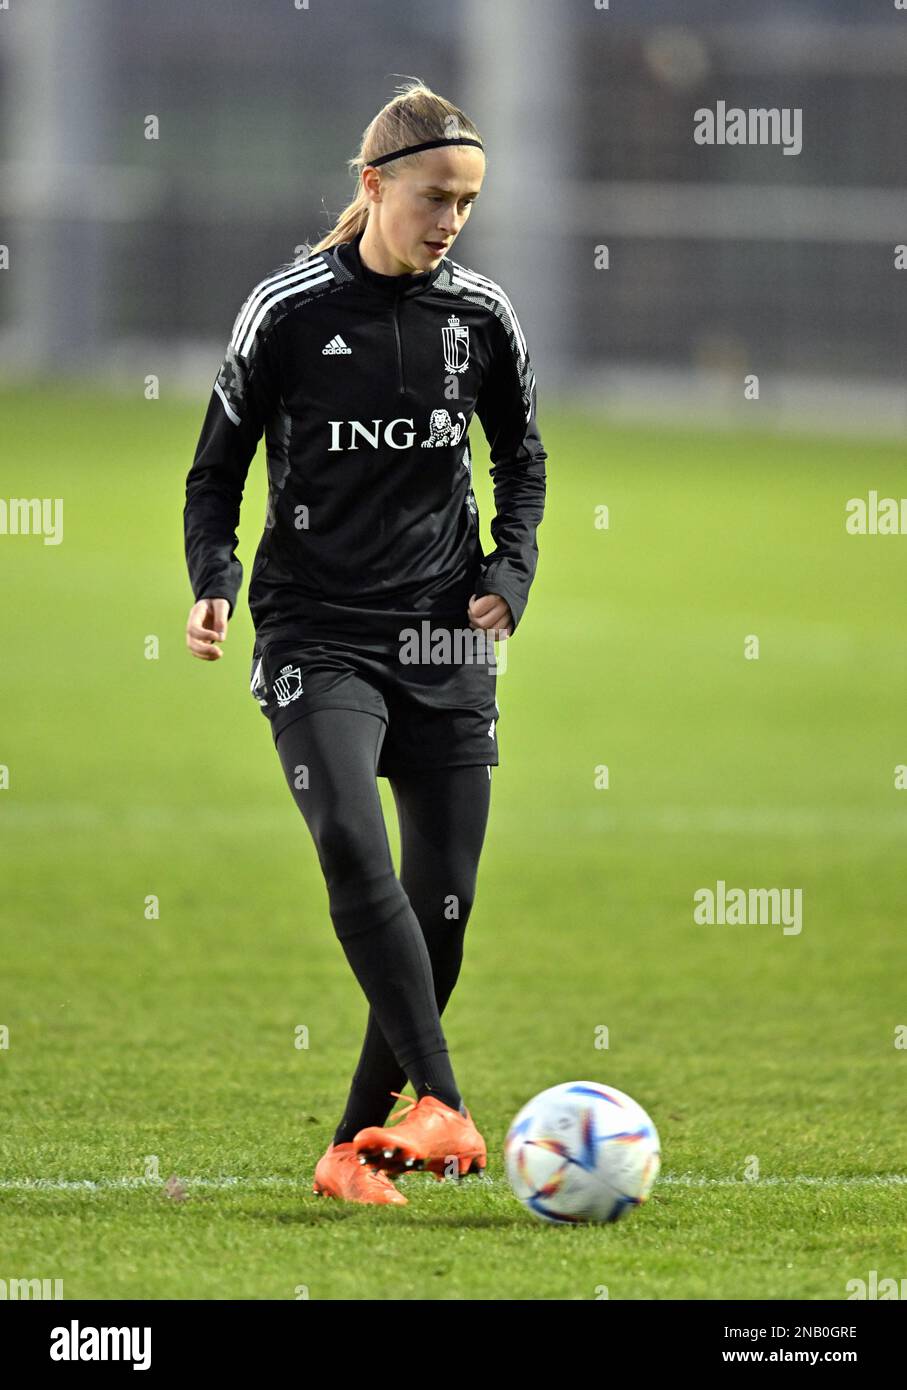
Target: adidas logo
[335, 346]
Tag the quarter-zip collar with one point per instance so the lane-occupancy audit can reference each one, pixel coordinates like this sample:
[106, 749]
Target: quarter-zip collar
[391, 286]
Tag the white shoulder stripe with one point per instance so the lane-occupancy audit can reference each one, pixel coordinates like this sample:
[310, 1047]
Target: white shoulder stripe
[471, 278]
[268, 305]
[231, 413]
[279, 277]
[314, 272]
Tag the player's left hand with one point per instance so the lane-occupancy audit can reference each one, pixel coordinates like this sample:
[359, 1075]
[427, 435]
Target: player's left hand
[492, 614]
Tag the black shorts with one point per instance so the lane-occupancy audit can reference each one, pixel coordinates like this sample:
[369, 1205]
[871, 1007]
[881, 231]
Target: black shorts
[437, 714]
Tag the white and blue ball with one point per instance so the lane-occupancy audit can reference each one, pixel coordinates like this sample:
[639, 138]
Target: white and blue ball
[582, 1152]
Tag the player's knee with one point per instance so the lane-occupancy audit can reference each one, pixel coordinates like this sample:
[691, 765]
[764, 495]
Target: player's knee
[349, 848]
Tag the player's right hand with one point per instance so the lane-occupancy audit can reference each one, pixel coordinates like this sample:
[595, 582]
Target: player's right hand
[206, 627]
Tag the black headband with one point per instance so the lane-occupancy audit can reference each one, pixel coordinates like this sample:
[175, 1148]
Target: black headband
[426, 145]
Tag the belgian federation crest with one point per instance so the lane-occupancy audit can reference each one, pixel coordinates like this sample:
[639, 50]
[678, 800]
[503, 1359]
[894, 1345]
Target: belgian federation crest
[456, 345]
[288, 685]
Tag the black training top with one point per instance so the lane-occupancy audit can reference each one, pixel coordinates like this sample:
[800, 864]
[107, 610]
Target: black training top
[365, 386]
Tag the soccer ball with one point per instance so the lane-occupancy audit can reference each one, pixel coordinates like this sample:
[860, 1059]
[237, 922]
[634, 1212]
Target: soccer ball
[582, 1152]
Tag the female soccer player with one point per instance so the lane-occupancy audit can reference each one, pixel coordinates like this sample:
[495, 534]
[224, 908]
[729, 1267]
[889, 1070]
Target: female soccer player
[363, 362]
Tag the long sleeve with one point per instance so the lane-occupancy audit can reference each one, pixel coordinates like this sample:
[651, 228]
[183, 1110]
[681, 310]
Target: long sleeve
[243, 396]
[506, 408]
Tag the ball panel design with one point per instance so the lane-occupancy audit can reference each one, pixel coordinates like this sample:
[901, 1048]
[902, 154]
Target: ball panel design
[582, 1151]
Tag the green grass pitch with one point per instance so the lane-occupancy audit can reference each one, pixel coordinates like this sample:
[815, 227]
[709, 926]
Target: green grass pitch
[172, 1040]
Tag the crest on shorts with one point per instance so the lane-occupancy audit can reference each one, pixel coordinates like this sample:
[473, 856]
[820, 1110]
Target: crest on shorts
[456, 345]
[288, 685]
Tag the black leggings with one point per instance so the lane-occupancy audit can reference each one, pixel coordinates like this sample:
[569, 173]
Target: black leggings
[402, 936]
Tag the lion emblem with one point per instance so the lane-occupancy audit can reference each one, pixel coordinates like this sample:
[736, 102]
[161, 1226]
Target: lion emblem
[443, 431]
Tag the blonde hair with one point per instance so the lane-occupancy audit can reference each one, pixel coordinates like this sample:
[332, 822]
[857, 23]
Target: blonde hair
[415, 114]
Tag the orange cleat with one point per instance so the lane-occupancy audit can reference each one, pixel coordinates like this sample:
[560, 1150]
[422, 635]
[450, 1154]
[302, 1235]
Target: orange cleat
[341, 1173]
[428, 1135]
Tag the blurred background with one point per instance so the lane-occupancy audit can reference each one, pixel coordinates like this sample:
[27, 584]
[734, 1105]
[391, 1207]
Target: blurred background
[723, 259]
